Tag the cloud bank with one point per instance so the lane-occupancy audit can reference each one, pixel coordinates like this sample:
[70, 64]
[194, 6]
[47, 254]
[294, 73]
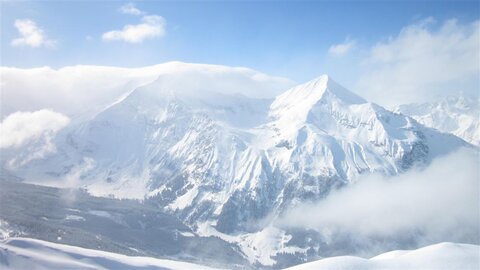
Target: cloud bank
[68, 89]
[439, 203]
[424, 60]
[30, 35]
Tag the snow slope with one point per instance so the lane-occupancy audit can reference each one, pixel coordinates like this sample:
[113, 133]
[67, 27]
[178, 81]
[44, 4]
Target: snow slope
[20, 253]
[439, 256]
[458, 115]
[27, 253]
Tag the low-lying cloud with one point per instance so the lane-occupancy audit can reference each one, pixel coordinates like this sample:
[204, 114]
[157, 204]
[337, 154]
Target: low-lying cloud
[439, 203]
[68, 89]
[21, 127]
[33, 132]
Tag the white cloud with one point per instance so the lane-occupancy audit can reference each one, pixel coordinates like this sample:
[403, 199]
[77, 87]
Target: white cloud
[33, 132]
[68, 89]
[439, 203]
[130, 9]
[30, 35]
[72, 180]
[424, 60]
[152, 26]
[20, 128]
[342, 48]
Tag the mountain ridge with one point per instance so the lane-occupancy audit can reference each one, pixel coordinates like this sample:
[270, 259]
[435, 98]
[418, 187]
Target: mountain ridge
[458, 115]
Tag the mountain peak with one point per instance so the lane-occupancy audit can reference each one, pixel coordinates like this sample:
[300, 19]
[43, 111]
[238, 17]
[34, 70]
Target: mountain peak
[299, 100]
[340, 92]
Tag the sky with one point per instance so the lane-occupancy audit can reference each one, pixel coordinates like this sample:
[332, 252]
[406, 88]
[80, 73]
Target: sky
[299, 40]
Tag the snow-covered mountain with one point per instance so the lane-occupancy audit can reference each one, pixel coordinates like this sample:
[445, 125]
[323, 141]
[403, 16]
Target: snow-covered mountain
[231, 159]
[226, 163]
[458, 115]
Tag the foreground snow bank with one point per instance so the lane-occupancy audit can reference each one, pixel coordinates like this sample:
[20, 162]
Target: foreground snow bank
[26, 253]
[439, 256]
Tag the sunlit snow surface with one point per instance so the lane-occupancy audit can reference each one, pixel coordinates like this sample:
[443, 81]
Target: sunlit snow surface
[440, 256]
[26, 253]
